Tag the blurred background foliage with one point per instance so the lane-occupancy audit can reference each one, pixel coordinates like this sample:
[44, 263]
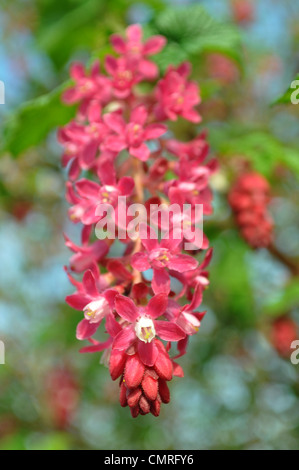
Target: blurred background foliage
[240, 389]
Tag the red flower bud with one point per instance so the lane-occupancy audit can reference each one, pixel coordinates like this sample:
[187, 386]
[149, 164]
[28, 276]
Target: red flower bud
[150, 387]
[164, 391]
[133, 397]
[134, 371]
[123, 395]
[135, 411]
[144, 405]
[117, 363]
[155, 408]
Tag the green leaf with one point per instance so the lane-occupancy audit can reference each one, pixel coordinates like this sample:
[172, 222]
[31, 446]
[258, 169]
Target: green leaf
[263, 150]
[172, 54]
[195, 31]
[34, 120]
[285, 301]
[286, 97]
[232, 295]
[74, 29]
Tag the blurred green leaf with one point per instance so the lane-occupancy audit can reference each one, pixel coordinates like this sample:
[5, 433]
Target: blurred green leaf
[78, 25]
[172, 54]
[262, 149]
[192, 31]
[13, 442]
[74, 28]
[232, 295]
[34, 120]
[286, 300]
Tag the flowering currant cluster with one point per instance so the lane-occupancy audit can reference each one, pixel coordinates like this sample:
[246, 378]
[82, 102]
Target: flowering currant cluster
[249, 199]
[121, 144]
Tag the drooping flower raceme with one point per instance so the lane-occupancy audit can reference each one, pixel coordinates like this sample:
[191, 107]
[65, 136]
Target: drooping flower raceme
[140, 297]
[249, 198]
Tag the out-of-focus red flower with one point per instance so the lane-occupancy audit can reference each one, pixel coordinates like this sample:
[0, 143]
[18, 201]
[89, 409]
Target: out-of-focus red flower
[177, 96]
[222, 68]
[249, 199]
[243, 11]
[61, 396]
[20, 209]
[283, 332]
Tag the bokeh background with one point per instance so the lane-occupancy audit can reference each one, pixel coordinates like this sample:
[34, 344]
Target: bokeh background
[240, 390]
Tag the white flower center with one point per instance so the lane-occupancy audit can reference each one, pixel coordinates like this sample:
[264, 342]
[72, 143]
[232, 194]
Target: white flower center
[95, 311]
[145, 329]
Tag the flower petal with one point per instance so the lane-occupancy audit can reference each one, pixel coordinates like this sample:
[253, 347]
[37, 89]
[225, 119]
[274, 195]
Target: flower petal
[115, 144]
[88, 154]
[112, 326]
[124, 338]
[154, 131]
[192, 116]
[148, 353]
[161, 282]
[89, 284]
[77, 71]
[96, 347]
[77, 301]
[134, 33]
[74, 170]
[169, 331]
[140, 262]
[149, 237]
[87, 188]
[115, 122]
[86, 330]
[111, 64]
[126, 308]
[182, 263]
[118, 270]
[139, 115]
[71, 96]
[154, 45]
[118, 43]
[106, 171]
[142, 152]
[157, 305]
[148, 69]
[126, 185]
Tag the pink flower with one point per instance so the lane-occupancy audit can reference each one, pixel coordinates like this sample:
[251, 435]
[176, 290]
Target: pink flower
[87, 87]
[197, 149]
[132, 136]
[185, 317]
[144, 326]
[124, 77]
[198, 277]
[86, 256]
[92, 194]
[176, 96]
[192, 186]
[159, 257]
[72, 138]
[95, 303]
[82, 142]
[137, 52]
